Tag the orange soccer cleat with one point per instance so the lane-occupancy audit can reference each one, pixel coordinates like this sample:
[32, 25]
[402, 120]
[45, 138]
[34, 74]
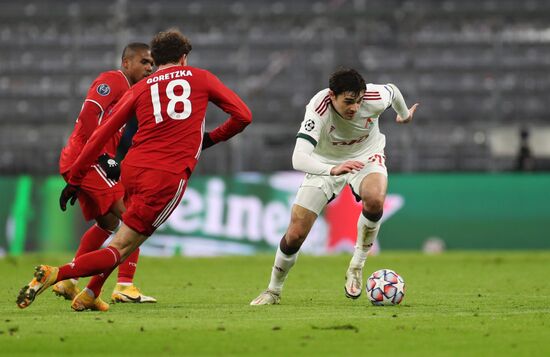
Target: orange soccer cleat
[44, 277]
[83, 301]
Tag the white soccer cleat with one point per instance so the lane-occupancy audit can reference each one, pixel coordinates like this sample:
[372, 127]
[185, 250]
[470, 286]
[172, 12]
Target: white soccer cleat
[267, 297]
[354, 283]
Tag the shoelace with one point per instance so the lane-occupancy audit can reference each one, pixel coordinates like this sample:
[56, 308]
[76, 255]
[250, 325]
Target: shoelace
[356, 276]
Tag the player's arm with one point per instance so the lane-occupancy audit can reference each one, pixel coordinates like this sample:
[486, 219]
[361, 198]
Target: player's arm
[121, 114]
[309, 134]
[89, 118]
[103, 91]
[231, 103]
[404, 114]
[303, 161]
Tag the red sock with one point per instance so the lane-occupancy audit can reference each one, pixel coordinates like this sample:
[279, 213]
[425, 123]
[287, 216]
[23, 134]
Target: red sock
[127, 269]
[92, 240]
[90, 264]
[97, 281]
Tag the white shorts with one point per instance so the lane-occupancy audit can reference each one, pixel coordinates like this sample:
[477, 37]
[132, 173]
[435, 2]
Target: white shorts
[317, 190]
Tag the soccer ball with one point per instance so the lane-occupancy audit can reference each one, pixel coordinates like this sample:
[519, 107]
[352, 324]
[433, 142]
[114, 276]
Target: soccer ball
[385, 287]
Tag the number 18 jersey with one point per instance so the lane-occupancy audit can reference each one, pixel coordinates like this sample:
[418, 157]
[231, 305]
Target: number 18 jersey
[170, 107]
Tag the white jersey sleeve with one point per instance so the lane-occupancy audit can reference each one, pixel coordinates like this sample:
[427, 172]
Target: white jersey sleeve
[302, 160]
[316, 118]
[392, 97]
[382, 92]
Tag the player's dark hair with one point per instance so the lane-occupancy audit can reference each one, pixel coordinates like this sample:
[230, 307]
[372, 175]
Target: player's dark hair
[346, 80]
[131, 48]
[169, 46]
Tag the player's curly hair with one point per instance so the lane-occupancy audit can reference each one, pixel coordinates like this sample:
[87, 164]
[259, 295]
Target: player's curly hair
[168, 46]
[346, 80]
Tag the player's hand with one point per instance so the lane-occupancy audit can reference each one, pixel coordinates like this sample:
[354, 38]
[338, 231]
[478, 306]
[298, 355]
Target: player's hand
[70, 192]
[346, 167]
[207, 141]
[110, 166]
[410, 117]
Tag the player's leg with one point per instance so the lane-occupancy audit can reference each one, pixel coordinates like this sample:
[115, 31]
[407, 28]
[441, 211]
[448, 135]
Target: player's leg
[88, 264]
[92, 240]
[106, 223]
[153, 204]
[125, 242]
[97, 199]
[372, 191]
[125, 291]
[127, 269]
[92, 263]
[301, 222]
[148, 204]
[310, 201]
[97, 234]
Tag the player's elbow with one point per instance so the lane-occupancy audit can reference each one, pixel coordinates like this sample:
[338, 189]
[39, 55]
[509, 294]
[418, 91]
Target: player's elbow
[395, 89]
[297, 159]
[295, 164]
[246, 116]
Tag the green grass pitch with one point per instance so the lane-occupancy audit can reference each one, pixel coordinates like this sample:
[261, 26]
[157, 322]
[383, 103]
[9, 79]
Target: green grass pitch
[456, 304]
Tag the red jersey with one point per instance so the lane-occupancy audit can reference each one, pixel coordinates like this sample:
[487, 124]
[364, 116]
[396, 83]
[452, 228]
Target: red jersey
[105, 91]
[170, 107]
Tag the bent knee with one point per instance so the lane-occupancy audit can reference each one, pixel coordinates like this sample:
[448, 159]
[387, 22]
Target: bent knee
[108, 222]
[295, 235]
[124, 246]
[111, 227]
[373, 205]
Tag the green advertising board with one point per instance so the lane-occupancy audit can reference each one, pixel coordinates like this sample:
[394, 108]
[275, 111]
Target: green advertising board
[249, 213]
[485, 211]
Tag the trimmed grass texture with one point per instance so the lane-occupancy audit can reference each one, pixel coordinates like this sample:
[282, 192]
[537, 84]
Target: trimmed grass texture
[456, 304]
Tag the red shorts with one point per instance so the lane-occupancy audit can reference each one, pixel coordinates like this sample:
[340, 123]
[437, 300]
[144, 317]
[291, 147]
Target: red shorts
[151, 196]
[97, 193]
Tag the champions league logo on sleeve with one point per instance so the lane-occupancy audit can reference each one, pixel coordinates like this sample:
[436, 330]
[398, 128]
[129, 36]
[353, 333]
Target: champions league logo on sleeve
[103, 89]
[309, 125]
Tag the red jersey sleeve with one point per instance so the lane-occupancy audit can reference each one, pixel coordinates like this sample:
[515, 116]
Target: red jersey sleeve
[89, 119]
[122, 112]
[230, 103]
[105, 89]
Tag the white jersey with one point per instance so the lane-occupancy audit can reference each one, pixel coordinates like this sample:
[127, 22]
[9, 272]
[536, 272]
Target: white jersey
[337, 139]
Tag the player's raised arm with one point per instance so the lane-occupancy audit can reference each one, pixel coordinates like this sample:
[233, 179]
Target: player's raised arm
[230, 103]
[122, 113]
[404, 114]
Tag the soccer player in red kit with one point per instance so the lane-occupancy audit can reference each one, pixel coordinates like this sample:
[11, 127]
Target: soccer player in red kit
[101, 195]
[170, 107]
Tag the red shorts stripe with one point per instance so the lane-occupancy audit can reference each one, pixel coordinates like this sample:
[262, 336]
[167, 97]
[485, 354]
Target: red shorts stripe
[151, 196]
[97, 193]
[103, 175]
[170, 206]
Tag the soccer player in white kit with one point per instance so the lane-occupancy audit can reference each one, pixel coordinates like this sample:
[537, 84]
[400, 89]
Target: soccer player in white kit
[339, 143]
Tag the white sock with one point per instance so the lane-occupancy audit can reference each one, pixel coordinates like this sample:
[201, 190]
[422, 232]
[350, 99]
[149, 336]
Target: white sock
[89, 292]
[124, 284]
[280, 270]
[367, 231]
